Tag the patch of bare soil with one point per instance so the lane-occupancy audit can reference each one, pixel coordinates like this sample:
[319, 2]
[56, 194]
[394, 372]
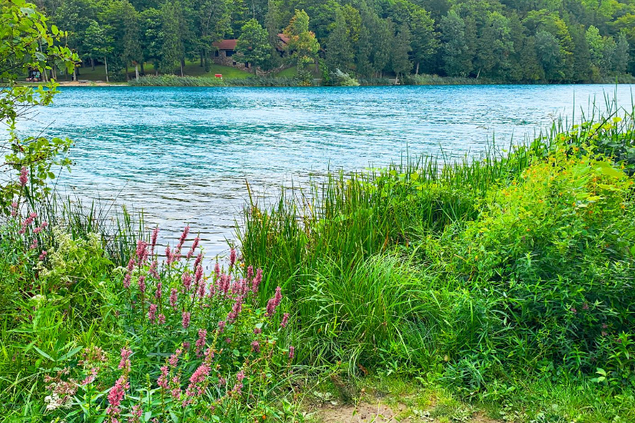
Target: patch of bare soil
[379, 413]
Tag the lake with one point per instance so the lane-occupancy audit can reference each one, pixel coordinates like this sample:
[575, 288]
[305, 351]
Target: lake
[184, 154]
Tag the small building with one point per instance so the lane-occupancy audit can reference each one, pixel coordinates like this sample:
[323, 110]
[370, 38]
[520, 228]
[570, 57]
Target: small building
[226, 49]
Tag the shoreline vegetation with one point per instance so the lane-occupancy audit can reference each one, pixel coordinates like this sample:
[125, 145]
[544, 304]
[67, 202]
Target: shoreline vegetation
[496, 289]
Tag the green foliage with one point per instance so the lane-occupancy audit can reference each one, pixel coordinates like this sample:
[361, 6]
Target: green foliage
[253, 45]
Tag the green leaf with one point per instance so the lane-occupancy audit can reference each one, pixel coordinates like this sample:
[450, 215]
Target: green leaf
[43, 354]
[71, 353]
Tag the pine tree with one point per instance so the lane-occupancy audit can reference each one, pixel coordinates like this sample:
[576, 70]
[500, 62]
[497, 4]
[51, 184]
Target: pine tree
[400, 61]
[339, 52]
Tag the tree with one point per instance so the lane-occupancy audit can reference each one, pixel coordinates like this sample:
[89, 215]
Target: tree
[172, 48]
[303, 46]
[400, 61]
[339, 51]
[364, 51]
[28, 45]
[253, 44]
[550, 55]
[99, 43]
[456, 57]
[383, 44]
[621, 55]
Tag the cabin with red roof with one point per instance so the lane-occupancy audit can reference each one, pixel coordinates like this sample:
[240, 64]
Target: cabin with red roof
[226, 49]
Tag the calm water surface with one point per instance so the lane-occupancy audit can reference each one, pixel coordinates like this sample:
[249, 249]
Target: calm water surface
[184, 154]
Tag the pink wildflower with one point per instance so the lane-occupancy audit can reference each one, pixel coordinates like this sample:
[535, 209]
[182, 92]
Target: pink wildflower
[257, 331]
[153, 239]
[135, 414]
[200, 342]
[291, 352]
[236, 309]
[91, 377]
[14, 209]
[186, 346]
[158, 292]
[221, 326]
[142, 284]
[42, 256]
[285, 320]
[152, 313]
[153, 270]
[163, 379]
[217, 270]
[196, 386]
[186, 319]
[131, 264]
[168, 255]
[161, 319]
[187, 281]
[33, 245]
[125, 359]
[232, 257]
[274, 302]
[24, 176]
[194, 245]
[255, 346]
[142, 251]
[116, 394]
[126, 281]
[174, 358]
[173, 297]
[239, 382]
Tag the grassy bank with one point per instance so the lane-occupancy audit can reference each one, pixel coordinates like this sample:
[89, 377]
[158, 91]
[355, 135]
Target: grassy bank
[498, 288]
[506, 280]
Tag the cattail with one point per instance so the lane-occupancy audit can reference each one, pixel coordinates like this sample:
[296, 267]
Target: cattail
[186, 320]
[24, 176]
[285, 320]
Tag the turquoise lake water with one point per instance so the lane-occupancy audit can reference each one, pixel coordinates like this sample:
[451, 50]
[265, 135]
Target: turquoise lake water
[184, 154]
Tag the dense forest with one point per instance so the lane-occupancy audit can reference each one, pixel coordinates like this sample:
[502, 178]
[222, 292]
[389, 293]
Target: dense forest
[498, 40]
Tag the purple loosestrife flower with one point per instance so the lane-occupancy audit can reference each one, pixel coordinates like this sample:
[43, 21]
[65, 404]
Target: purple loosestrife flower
[285, 320]
[24, 176]
[33, 245]
[125, 359]
[142, 251]
[221, 326]
[257, 331]
[163, 379]
[116, 394]
[158, 292]
[200, 342]
[291, 352]
[161, 319]
[174, 358]
[194, 245]
[14, 209]
[232, 257]
[152, 313]
[43, 256]
[187, 281]
[186, 346]
[236, 309]
[185, 320]
[155, 235]
[131, 264]
[256, 282]
[142, 284]
[197, 386]
[250, 273]
[274, 302]
[169, 257]
[153, 270]
[135, 414]
[217, 270]
[126, 280]
[173, 298]
[255, 346]
[240, 376]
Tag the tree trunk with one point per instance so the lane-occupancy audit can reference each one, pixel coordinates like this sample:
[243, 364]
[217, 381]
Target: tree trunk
[106, 68]
[143, 71]
[74, 73]
[92, 62]
[182, 66]
[417, 69]
[136, 71]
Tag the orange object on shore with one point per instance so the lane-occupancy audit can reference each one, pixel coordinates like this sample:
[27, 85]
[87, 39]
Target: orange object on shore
[219, 75]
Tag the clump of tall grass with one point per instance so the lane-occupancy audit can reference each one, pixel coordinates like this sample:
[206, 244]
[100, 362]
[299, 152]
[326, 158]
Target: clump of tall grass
[200, 81]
